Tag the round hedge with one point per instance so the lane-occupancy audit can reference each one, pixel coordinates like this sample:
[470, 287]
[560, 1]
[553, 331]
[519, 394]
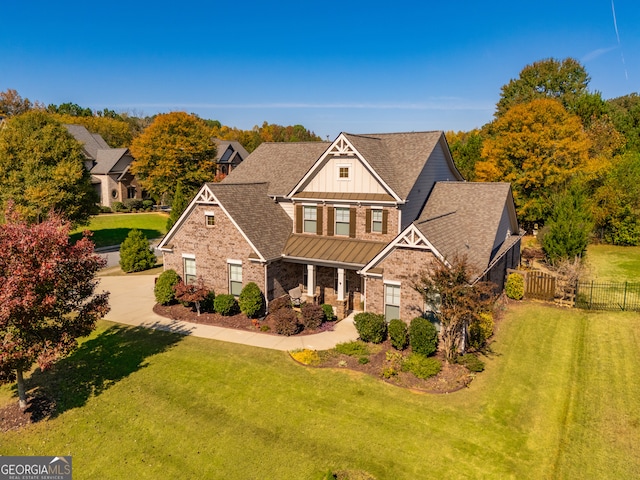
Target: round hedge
[514, 287]
[371, 327]
[423, 336]
[251, 300]
[163, 289]
[398, 334]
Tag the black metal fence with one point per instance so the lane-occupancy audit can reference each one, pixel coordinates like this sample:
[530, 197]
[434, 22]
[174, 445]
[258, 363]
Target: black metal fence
[608, 295]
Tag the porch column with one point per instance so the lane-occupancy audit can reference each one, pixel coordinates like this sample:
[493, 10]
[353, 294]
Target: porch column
[340, 291]
[311, 280]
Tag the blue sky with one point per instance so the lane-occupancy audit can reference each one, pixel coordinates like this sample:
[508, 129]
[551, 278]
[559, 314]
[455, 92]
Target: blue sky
[354, 66]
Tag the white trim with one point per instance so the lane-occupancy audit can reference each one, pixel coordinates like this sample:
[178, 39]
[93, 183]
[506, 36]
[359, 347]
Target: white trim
[395, 283]
[209, 213]
[349, 167]
[231, 261]
[189, 255]
[342, 147]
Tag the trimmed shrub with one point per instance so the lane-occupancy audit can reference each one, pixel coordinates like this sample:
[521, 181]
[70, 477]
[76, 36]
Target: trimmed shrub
[371, 327]
[118, 207]
[423, 336]
[421, 366]
[328, 312]
[280, 302]
[480, 330]
[473, 363]
[285, 322]
[353, 349]
[514, 288]
[251, 300]
[147, 205]
[398, 334]
[133, 204]
[163, 289]
[226, 304]
[312, 316]
[105, 209]
[207, 304]
[135, 254]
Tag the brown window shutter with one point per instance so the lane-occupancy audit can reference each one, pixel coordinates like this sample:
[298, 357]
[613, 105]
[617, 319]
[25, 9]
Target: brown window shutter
[319, 220]
[367, 226]
[352, 222]
[385, 218]
[330, 221]
[299, 219]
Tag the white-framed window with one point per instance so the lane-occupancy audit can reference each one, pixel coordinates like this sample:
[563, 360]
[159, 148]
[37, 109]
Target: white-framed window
[391, 301]
[343, 221]
[344, 171]
[376, 220]
[310, 216]
[209, 219]
[189, 269]
[235, 279]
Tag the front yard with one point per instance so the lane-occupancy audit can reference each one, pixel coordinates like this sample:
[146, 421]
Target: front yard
[112, 228]
[559, 399]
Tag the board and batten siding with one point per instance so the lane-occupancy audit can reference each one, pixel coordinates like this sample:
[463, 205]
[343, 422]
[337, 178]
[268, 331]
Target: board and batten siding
[288, 207]
[360, 179]
[436, 169]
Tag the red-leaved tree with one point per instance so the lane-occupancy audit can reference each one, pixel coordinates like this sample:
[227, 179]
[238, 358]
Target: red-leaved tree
[47, 297]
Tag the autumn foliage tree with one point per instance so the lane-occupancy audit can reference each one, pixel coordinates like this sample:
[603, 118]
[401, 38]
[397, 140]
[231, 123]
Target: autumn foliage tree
[42, 169]
[176, 147]
[458, 301]
[537, 147]
[47, 295]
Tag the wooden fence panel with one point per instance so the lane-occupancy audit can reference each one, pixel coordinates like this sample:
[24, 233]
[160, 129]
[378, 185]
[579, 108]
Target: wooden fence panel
[537, 284]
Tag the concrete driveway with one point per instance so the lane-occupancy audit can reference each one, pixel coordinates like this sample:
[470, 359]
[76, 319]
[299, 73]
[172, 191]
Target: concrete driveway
[132, 300]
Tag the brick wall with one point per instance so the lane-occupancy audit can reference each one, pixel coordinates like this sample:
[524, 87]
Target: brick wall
[212, 246]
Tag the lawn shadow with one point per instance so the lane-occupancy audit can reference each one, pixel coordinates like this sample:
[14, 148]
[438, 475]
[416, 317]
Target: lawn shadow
[98, 364]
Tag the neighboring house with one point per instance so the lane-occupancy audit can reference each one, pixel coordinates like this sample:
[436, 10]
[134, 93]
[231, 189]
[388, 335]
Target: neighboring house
[229, 155]
[109, 167]
[350, 223]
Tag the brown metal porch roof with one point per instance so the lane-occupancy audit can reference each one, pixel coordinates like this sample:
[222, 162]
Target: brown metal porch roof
[332, 249]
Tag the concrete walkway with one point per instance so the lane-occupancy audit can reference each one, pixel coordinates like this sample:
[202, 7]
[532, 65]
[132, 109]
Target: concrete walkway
[132, 302]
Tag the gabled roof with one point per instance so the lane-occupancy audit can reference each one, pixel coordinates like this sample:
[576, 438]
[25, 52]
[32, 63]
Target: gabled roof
[263, 223]
[107, 159]
[468, 218]
[397, 159]
[281, 165]
[90, 142]
[228, 151]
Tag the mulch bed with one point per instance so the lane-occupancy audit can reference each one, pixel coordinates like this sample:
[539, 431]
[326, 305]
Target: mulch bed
[13, 418]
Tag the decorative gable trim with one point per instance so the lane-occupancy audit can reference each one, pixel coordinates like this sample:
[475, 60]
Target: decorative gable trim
[411, 238]
[204, 196]
[342, 147]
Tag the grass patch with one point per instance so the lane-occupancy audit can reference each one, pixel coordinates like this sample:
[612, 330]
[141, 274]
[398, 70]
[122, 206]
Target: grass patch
[614, 263]
[112, 229]
[559, 399]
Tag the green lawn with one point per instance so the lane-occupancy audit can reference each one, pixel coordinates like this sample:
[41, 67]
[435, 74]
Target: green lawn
[112, 229]
[613, 263]
[560, 398]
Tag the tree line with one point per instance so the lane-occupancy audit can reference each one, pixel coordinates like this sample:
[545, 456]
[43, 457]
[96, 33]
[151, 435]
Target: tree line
[572, 157]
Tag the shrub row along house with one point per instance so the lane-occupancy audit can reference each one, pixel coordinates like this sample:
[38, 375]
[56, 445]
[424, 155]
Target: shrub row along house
[350, 223]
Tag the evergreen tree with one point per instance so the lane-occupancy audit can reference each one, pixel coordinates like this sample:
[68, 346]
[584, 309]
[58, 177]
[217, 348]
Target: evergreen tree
[178, 205]
[135, 254]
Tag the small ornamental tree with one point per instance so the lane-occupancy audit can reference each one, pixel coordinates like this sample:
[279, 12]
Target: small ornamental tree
[251, 300]
[195, 293]
[460, 301]
[47, 297]
[135, 254]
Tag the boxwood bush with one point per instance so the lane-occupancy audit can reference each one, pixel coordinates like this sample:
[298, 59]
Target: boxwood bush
[251, 300]
[480, 330]
[421, 366]
[514, 288]
[328, 312]
[226, 304]
[398, 334]
[163, 289]
[135, 253]
[423, 336]
[371, 327]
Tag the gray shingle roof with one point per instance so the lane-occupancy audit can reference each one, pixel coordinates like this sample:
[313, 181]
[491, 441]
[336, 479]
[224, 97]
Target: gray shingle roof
[224, 145]
[88, 140]
[464, 218]
[263, 221]
[281, 165]
[397, 157]
[107, 159]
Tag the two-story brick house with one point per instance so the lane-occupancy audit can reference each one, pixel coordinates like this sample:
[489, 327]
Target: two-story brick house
[352, 222]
